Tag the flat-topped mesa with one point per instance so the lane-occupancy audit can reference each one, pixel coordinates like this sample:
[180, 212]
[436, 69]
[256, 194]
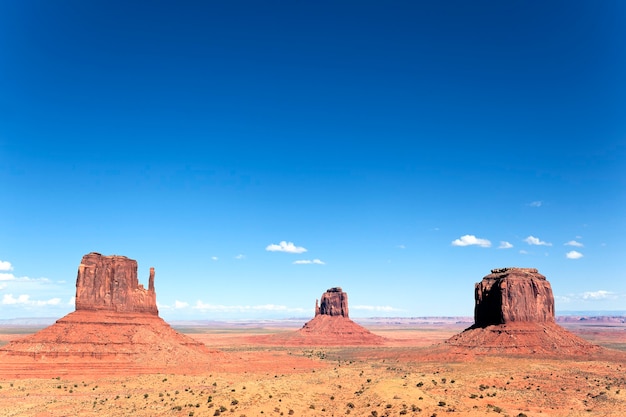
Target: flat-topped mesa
[334, 302]
[513, 295]
[110, 283]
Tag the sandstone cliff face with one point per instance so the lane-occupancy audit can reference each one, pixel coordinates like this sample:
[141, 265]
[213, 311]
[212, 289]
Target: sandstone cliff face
[110, 283]
[334, 302]
[513, 295]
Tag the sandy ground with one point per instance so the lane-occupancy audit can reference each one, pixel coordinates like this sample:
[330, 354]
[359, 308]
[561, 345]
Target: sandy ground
[251, 379]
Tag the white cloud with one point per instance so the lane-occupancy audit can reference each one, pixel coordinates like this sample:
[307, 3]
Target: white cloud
[180, 304]
[214, 258]
[469, 240]
[574, 243]
[374, 308]
[573, 255]
[531, 240]
[307, 261]
[401, 247]
[240, 256]
[523, 252]
[505, 245]
[535, 203]
[24, 299]
[6, 277]
[597, 295]
[6, 266]
[3, 286]
[244, 308]
[284, 246]
[562, 298]
[72, 301]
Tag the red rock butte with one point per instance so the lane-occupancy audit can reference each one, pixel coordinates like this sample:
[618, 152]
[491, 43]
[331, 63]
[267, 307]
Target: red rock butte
[115, 329]
[110, 283]
[514, 313]
[331, 326]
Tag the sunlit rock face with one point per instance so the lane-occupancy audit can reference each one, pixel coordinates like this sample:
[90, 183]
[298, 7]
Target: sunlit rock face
[334, 302]
[110, 283]
[513, 295]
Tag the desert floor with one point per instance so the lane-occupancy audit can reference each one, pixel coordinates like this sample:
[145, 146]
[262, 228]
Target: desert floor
[248, 378]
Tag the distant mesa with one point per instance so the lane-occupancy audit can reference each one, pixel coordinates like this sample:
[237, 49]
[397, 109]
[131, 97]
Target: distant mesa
[514, 313]
[331, 326]
[115, 328]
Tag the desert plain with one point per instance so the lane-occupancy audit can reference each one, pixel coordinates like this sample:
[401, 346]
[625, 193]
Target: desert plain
[253, 370]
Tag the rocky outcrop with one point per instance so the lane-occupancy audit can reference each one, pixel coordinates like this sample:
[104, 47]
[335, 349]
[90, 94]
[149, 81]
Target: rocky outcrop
[514, 314]
[334, 302]
[331, 326]
[115, 329]
[110, 283]
[513, 295]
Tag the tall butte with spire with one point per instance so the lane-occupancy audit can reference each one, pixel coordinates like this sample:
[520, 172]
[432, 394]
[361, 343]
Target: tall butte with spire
[514, 313]
[115, 328]
[331, 324]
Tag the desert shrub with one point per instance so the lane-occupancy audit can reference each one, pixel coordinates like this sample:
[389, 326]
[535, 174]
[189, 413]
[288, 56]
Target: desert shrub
[420, 384]
[350, 405]
[217, 412]
[234, 402]
[222, 408]
[442, 404]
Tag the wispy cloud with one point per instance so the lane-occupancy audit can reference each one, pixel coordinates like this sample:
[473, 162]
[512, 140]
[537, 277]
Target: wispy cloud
[309, 261]
[523, 252]
[471, 240]
[24, 299]
[6, 266]
[374, 308]
[200, 305]
[535, 203]
[180, 304]
[505, 245]
[401, 247]
[574, 243]
[214, 258]
[598, 295]
[531, 240]
[240, 256]
[284, 246]
[2, 286]
[573, 255]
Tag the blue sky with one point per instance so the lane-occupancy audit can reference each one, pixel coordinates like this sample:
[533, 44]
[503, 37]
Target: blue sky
[400, 150]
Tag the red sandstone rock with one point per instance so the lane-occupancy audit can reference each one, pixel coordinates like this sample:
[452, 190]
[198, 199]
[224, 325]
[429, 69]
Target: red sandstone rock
[514, 314]
[115, 328]
[334, 303]
[513, 295]
[331, 326]
[110, 283]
